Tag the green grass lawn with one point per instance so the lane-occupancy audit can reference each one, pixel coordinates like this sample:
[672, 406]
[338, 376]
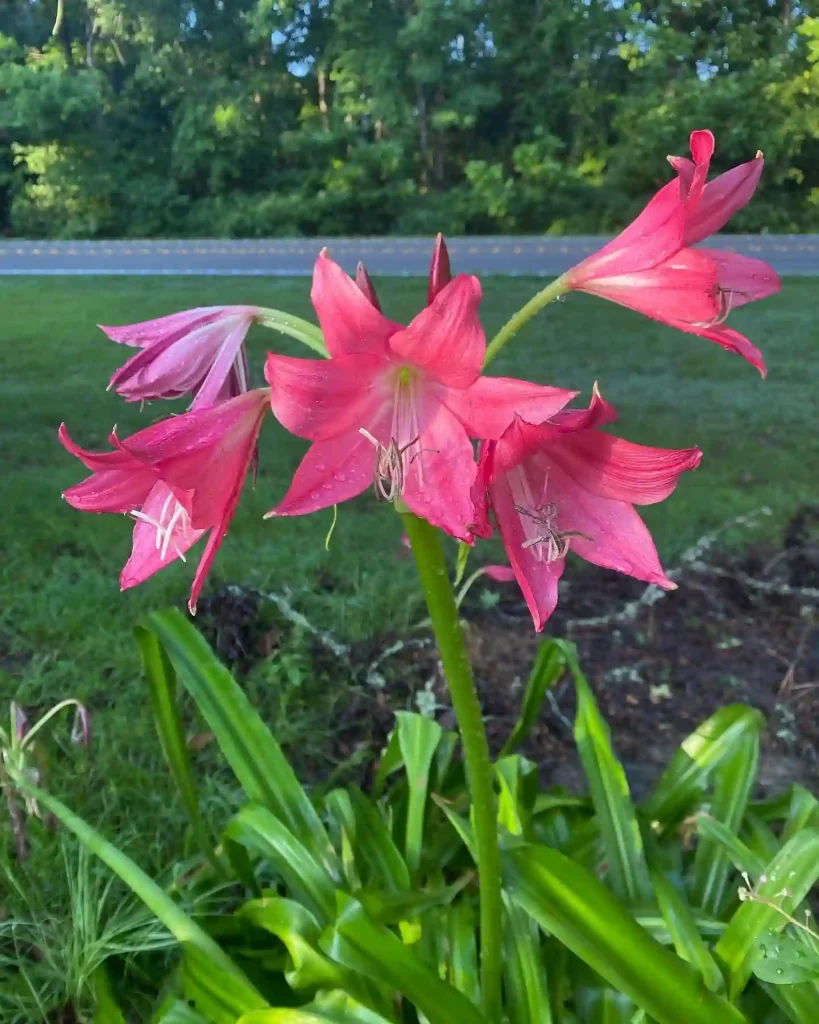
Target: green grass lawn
[65, 630]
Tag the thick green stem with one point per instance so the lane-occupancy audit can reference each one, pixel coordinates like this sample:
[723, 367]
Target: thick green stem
[443, 611]
[525, 313]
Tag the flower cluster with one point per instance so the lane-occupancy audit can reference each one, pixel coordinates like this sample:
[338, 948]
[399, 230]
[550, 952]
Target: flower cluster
[408, 410]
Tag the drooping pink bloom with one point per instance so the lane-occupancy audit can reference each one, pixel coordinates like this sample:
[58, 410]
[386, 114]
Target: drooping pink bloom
[178, 479]
[396, 404]
[651, 268]
[199, 351]
[565, 485]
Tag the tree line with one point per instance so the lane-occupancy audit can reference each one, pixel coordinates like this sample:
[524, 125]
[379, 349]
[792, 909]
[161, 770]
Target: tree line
[245, 118]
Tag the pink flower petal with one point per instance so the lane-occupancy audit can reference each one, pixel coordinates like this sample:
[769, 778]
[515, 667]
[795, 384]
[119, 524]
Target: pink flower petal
[446, 339]
[350, 322]
[331, 472]
[96, 461]
[223, 363]
[439, 475]
[745, 278]
[111, 490]
[319, 398]
[614, 535]
[598, 414]
[499, 573]
[681, 288]
[538, 579]
[654, 236]
[149, 552]
[482, 526]
[149, 332]
[488, 406]
[611, 467]
[729, 339]
[720, 200]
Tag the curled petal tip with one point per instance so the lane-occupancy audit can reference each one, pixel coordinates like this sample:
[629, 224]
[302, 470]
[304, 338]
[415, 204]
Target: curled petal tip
[324, 252]
[759, 155]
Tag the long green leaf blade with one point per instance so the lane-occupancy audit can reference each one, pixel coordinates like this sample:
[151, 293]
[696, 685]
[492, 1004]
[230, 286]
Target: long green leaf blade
[418, 738]
[685, 935]
[259, 830]
[161, 678]
[549, 666]
[526, 985]
[619, 830]
[329, 1008]
[247, 743]
[574, 906]
[735, 778]
[686, 778]
[373, 950]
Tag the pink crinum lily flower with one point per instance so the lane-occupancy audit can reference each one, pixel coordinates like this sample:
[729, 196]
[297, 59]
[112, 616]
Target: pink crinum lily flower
[564, 484]
[394, 405]
[178, 479]
[651, 268]
[199, 351]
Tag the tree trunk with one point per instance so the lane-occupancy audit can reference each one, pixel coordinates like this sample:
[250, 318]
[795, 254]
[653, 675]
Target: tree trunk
[322, 99]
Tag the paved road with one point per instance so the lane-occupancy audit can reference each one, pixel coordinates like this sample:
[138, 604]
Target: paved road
[789, 254]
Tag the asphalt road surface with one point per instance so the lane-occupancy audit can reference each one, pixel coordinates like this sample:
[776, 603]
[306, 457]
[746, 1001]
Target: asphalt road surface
[538, 255]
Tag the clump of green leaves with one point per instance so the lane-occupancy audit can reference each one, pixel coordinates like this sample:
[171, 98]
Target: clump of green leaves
[362, 907]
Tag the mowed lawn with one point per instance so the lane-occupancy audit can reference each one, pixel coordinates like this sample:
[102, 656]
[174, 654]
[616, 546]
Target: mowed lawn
[65, 630]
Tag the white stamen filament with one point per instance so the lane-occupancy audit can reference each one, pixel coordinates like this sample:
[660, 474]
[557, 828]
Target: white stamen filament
[179, 521]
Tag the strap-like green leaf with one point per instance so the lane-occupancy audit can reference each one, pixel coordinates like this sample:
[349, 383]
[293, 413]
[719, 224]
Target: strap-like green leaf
[616, 817]
[329, 1008]
[161, 679]
[302, 330]
[106, 1008]
[259, 830]
[183, 928]
[550, 663]
[418, 738]
[178, 1012]
[685, 779]
[376, 846]
[310, 968]
[574, 906]
[463, 950]
[735, 778]
[244, 739]
[684, 932]
[371, 949]
[739, 854]
[803, 812]
[526, 986]
[787, 880]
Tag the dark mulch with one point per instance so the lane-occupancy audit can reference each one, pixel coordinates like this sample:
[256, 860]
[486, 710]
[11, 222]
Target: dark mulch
[731, 633]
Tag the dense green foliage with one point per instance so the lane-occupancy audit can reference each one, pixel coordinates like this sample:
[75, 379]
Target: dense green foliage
[346, 907]
[275, 117]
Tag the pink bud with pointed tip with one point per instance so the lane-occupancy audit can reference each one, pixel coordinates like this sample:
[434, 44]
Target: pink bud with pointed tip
[440, 273]
[366, 286]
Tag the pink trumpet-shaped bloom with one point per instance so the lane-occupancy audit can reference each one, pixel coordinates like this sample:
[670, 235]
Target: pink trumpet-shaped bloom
[199, 351]
[565, 485]
[651, 268]
[396, 405]
[178, 479]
